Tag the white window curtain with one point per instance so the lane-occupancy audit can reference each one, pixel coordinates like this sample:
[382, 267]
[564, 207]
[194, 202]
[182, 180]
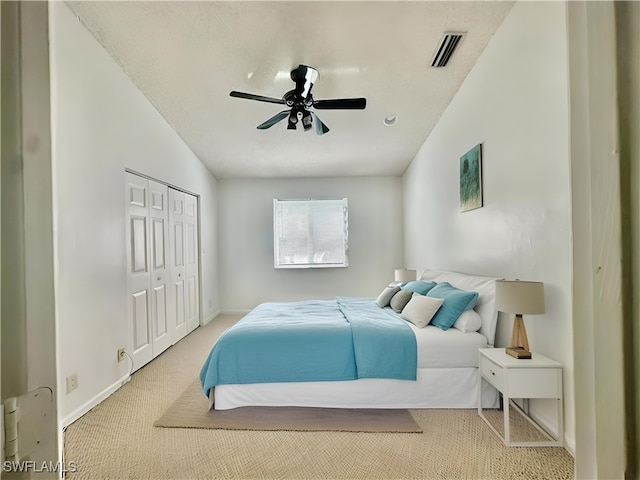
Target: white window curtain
[310, 233]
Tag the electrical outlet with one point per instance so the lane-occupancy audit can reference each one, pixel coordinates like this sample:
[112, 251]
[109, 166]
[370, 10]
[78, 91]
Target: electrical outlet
[72, 382]
[120, 354]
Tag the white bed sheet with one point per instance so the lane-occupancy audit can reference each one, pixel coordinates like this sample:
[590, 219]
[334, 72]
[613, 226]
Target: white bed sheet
[434, 388]
[446, 349]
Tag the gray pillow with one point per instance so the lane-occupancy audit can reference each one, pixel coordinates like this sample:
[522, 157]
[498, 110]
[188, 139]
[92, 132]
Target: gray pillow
[385, 297]
[400, 299]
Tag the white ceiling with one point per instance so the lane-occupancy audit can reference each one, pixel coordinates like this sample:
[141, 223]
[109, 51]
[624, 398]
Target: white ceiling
[187, 56]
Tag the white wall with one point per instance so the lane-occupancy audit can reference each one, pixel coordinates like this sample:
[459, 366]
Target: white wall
[247, 275]
[514, 102]
[102, 124]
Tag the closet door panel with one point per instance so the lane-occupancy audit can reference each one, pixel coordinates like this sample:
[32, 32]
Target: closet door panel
[177, 260]
[138, 279]
[140, 316]
[178, 239]
[192, 262]
[180, 307]
[161, 311]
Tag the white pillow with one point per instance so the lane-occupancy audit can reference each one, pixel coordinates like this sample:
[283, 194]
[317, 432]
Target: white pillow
[469, 321]
[420, 310]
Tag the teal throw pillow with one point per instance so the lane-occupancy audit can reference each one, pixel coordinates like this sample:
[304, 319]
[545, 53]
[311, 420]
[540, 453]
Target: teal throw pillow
[418, 286]
[455, 302]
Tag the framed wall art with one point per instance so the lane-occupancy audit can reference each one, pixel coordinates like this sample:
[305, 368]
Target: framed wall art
[471, 179]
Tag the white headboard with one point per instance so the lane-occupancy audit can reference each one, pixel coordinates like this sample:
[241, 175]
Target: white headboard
[486, 288]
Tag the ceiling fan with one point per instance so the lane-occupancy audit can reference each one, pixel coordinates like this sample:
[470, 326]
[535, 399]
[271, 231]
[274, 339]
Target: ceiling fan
[300, 101]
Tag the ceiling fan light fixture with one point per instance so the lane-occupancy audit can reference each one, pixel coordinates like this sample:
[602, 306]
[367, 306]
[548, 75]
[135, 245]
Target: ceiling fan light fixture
[306, 120]
[293, 120]
[304, 77]
[390, 120]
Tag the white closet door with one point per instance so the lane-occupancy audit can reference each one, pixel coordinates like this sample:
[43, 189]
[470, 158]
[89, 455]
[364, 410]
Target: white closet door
[162, 267]
[177, 259]
[160, 297]
[138, 279]
[192, 287]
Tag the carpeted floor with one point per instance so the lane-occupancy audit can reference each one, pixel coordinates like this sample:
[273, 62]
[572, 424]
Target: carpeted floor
[117, 439]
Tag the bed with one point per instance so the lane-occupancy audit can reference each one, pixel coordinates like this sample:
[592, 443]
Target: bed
[352, 353]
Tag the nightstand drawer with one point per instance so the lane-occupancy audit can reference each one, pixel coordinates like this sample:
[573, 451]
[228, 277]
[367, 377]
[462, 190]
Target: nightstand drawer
[534, 383]
[491, 372]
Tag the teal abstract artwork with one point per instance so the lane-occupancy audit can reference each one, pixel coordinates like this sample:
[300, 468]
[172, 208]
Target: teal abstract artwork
[471, 179]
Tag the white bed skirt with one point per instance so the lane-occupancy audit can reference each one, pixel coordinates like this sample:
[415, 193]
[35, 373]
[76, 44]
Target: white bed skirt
[434, 388]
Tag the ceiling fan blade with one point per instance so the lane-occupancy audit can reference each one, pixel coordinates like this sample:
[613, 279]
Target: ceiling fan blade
[341, 104]
[273, 120]
[260, 98]
[321, 128]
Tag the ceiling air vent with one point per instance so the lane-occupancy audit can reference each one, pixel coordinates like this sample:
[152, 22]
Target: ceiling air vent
[445, 49]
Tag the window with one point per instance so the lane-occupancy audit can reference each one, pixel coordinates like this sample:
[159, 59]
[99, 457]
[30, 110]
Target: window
[310, 233]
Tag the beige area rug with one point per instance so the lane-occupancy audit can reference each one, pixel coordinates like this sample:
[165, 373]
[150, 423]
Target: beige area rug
[190, 411]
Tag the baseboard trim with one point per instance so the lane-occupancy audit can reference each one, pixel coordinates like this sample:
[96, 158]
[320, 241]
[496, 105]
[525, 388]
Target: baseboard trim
[234, 312]
[570, 446]
[210, 317]
[80, 411]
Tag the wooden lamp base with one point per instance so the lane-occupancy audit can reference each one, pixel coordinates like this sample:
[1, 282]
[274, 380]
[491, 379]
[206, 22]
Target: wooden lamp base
[519, 343]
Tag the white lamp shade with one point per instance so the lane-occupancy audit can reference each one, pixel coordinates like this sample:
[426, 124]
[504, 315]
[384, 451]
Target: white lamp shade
[515, 296]
[405, 275]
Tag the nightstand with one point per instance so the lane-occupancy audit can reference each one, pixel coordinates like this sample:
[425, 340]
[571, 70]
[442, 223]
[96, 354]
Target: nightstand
[537, 377]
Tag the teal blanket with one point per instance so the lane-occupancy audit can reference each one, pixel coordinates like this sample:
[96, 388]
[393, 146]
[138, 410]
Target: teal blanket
[310, 341]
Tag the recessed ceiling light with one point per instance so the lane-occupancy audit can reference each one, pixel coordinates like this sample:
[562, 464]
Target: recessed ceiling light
[390, 120]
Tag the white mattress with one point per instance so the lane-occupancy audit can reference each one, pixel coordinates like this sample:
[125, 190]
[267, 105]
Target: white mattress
[447, 349]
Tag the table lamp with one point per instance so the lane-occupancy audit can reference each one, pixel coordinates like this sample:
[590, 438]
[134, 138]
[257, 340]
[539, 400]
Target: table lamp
[519, 297]
[405, 275]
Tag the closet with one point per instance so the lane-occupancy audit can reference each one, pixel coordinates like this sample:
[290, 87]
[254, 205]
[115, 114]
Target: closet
[162, 267]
